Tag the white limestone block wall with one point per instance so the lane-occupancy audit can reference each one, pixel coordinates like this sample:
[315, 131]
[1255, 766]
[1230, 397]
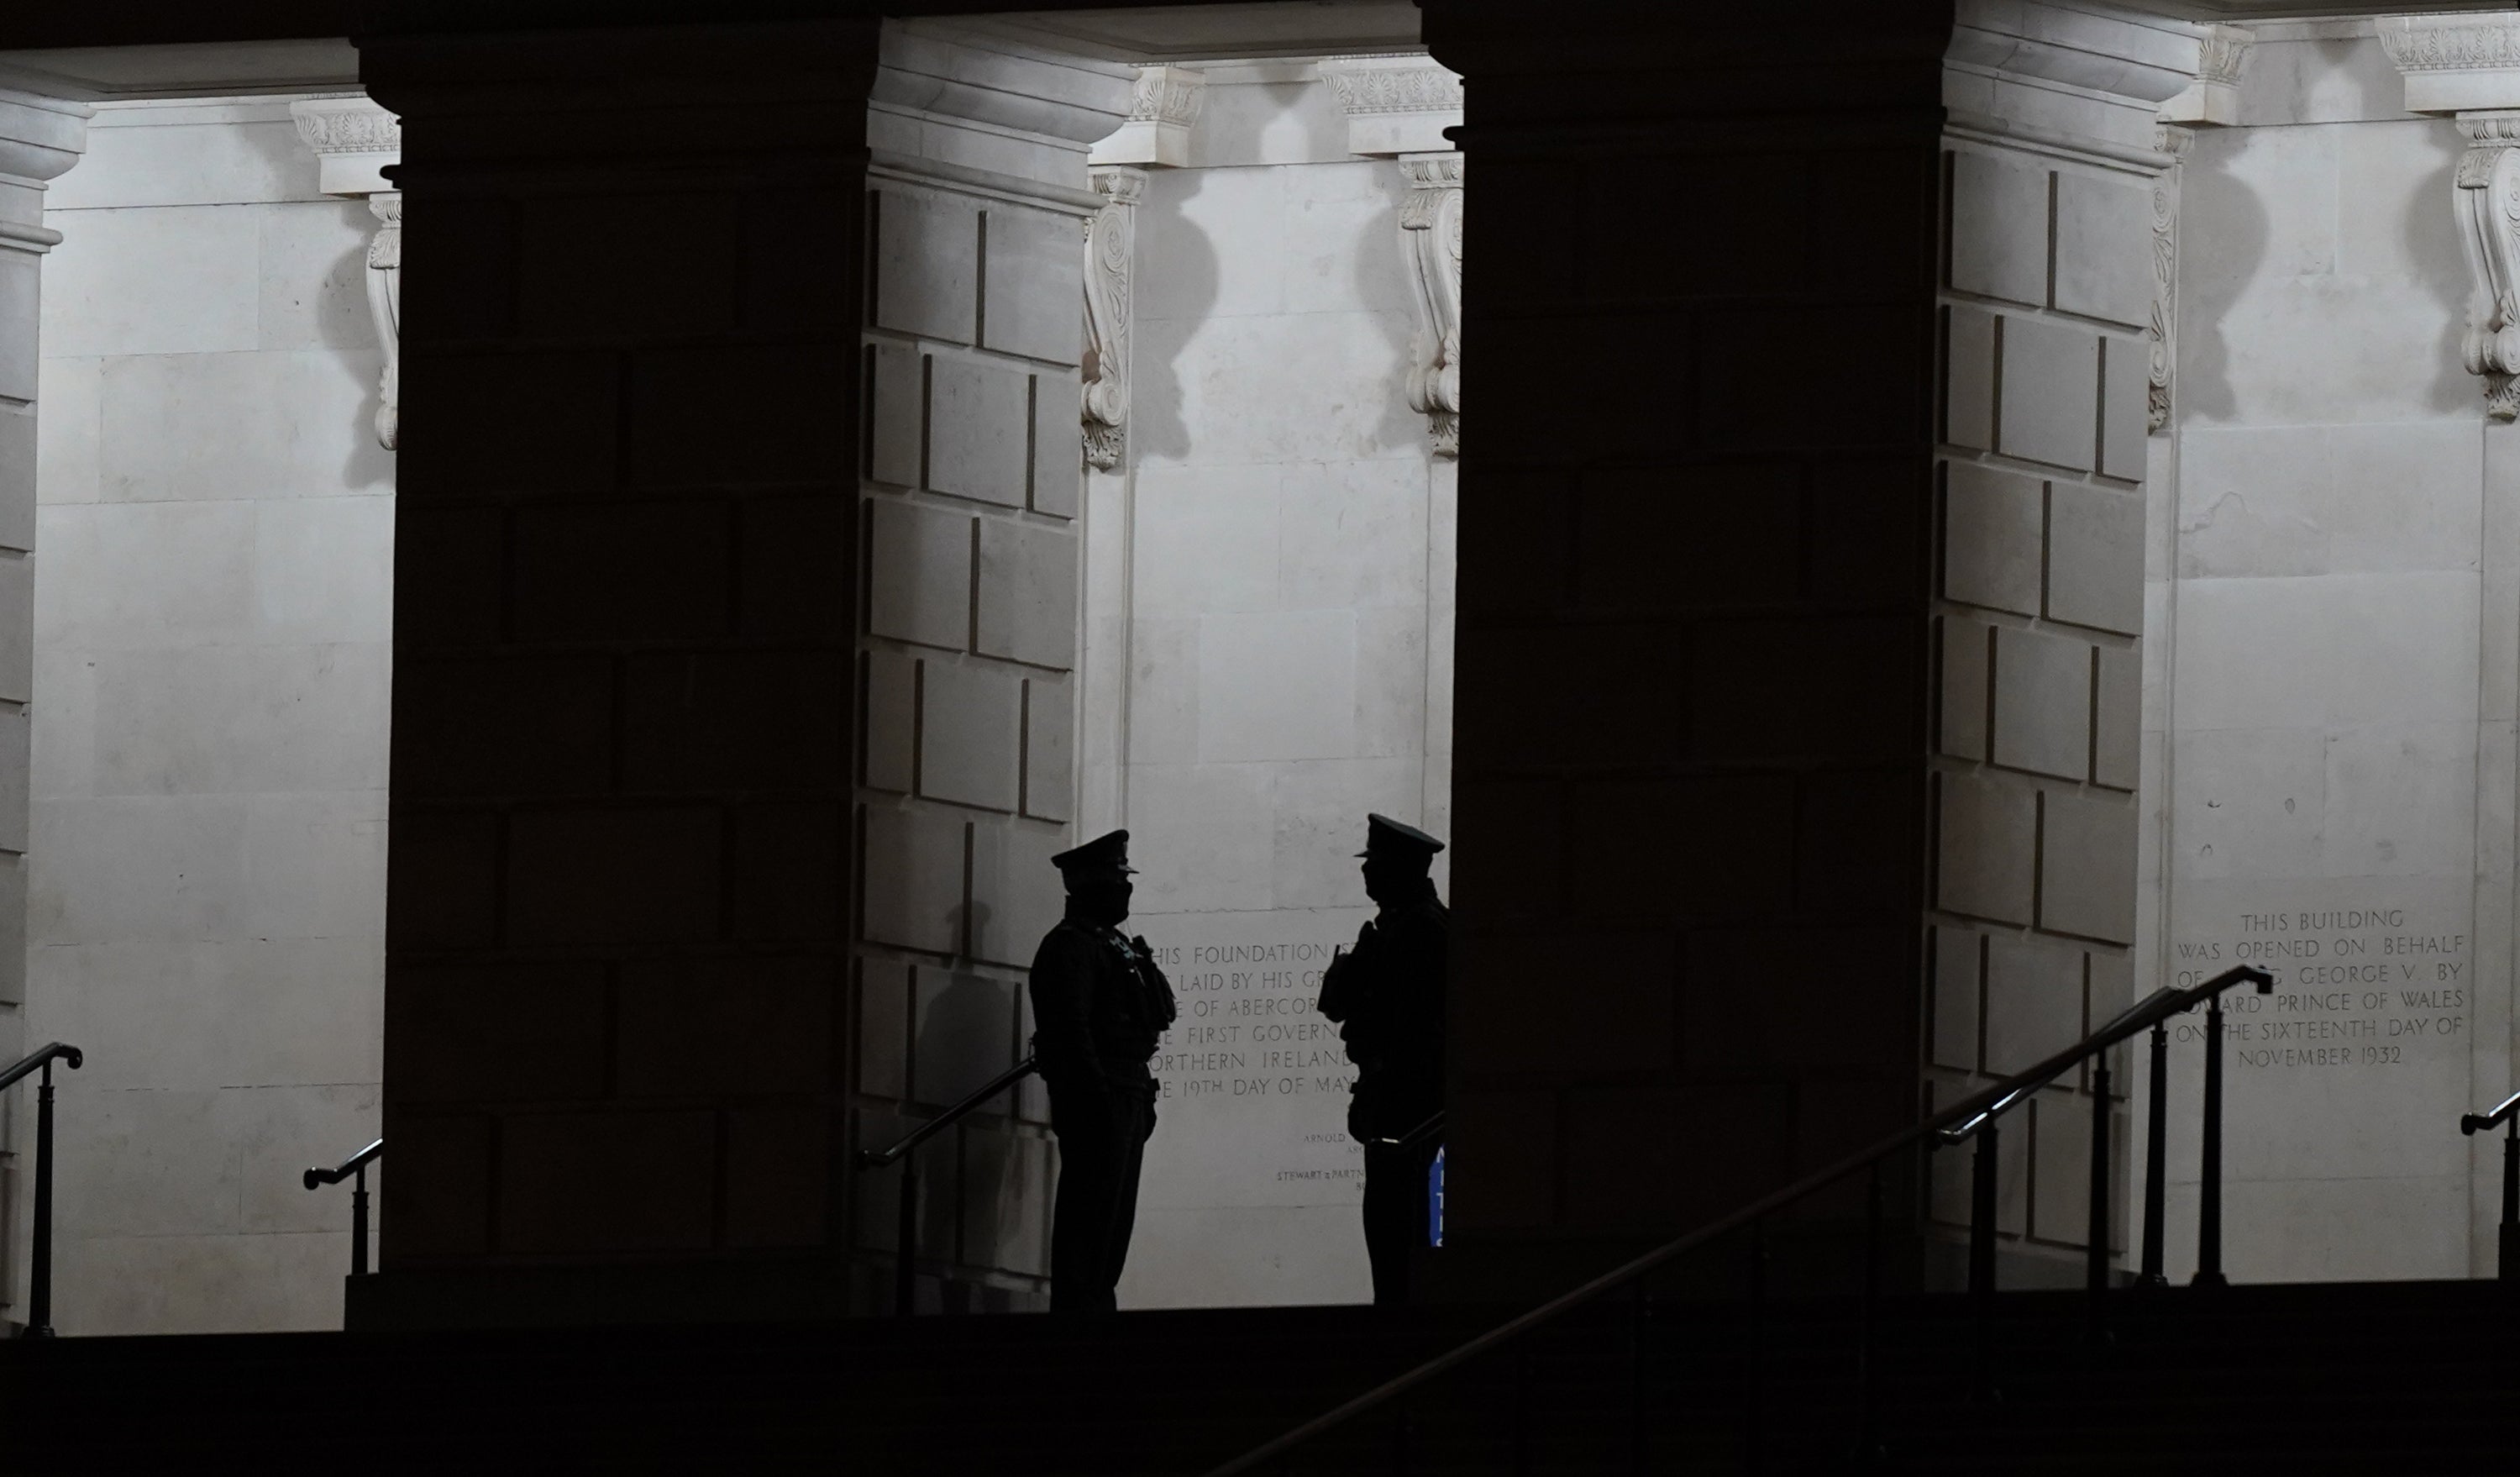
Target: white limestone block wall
[1289, 558]
[210, 749]
[2324, 696]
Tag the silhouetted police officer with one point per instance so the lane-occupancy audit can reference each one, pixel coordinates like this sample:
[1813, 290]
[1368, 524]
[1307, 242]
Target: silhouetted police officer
[1099, 1007]
[1388, 996]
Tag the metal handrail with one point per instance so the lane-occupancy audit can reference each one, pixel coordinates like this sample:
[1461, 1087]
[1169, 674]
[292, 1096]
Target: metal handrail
[1432, 1128]
[2506, 1114]
[2471, 1123]
[355, 1165]
[319, 1175]
[874, 1158]
[907, 1228]
[70, 1057]
[2153, 1011]
[39, 1268]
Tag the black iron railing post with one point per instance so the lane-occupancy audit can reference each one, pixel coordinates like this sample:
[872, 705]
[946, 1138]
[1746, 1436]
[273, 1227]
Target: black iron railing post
[906, 1243]
[359, 1224]
[2209, 1190]
[1522, 1409]
[1754, 1395]
[2096, 1266]
[1981, 1253]
[2156, 1138]
[1638, 1312]
[1868, 1372]
[39, 1285]
[2507, 1249]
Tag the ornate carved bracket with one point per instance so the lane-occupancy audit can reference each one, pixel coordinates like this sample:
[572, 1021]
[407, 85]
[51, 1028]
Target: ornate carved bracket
[1111, 248]
[354, 142]
[2174, 141]
[2468, 67]
[1398, 107]
[2486, 195]
[2212, 100]
[1431, 234]
[385, 306]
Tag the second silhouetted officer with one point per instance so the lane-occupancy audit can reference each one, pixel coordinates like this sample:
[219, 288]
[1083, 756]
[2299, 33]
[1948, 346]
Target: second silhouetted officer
[1099, 1004]
[1388, 996]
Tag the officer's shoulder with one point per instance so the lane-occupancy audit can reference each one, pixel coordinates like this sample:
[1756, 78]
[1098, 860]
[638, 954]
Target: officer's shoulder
[1067, 939]
[1424, 914]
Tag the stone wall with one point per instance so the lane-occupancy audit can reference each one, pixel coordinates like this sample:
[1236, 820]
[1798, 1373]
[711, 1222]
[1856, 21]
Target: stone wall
[213, 625]
[2047, 288]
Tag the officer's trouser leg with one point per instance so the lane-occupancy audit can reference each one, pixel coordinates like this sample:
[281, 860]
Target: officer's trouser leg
[1098, 1155]
[1395, 1216]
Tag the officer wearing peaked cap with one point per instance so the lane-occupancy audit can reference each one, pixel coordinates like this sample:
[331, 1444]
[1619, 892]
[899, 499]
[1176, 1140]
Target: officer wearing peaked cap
[1387, 996]
[1099, 1006]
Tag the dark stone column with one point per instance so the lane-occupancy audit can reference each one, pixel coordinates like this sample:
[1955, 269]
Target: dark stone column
[1697, 512]
[625, 607]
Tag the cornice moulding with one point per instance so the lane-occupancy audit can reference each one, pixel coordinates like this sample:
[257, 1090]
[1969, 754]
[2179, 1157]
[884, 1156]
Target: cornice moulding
[2457, 63]
[2080, 72]
[1395, 104]
[354, 141]
[936, 70]
[41, 138]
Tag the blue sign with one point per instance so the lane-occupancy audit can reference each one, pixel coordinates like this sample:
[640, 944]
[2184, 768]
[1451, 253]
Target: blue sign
[1435, 1200]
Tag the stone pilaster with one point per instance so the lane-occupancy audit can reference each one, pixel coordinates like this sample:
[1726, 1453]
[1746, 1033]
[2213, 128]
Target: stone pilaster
[2467, 67]
[2053, 365]
[619, 997]
[41, 138]
[355, 142]
[1399, 107]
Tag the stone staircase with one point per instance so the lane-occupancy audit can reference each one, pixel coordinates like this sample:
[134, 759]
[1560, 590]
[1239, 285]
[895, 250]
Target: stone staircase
[2394, 1378]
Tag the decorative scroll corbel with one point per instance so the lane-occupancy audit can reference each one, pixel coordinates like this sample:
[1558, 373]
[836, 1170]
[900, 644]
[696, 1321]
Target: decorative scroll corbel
[2174, 141]
[2467, 66]
[384, 305]
[1430, 235]
[1110, 237]
[355, 142]
[2487, 199]
[1399, 107]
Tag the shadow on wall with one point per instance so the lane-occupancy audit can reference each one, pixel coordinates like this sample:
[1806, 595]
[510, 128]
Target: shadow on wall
[964, 1034]
[2432, 238]
[2214, 205]
[1188, 264]
[1374, 256]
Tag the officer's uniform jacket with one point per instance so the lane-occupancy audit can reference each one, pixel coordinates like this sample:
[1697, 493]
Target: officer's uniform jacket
[1098, 1004]
[1388, 998]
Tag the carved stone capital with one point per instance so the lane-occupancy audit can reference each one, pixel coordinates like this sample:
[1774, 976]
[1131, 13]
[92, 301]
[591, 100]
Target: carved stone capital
[2458, 63]
[1111, 251]
[1395, 104]
[353, 138]
[1162, 112]
[1431, 238]
[2215, 96]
